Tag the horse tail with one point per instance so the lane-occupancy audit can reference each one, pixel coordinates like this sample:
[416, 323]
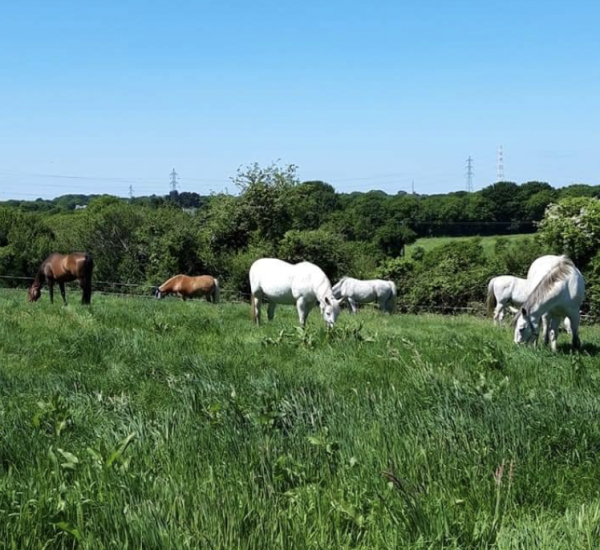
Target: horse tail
[491, 299]
[216, 291]
[252, 308]
[391, 303]
[86, 281]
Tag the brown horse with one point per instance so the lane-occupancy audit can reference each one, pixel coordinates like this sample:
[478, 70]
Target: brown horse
[61, 269]
[189, 287]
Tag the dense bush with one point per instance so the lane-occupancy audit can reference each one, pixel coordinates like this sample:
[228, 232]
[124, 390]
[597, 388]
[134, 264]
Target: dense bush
[455, 275]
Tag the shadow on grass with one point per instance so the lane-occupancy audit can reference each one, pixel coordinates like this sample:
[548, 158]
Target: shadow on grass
[587, 348]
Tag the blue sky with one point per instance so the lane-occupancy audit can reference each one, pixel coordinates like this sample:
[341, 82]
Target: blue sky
[95, 96]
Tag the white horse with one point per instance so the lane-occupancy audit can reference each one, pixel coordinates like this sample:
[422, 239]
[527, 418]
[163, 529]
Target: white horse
[558, 294]
[504, 291]
[303, 284]
[364, 292]
[537, 271]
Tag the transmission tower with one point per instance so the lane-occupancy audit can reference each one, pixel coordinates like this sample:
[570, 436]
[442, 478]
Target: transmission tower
[470, 174]
[131, 191]
[174, 183]
[500, 171]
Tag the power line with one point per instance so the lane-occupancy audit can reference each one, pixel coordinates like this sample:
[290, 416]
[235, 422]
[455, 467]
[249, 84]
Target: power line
[500, 166]
[470, 174]
[173, 183]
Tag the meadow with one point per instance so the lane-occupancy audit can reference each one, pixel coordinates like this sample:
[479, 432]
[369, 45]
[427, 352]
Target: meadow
[487, 242]
[138, 423]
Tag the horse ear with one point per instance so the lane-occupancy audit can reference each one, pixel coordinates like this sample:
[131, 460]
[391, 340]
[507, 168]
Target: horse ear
[523, 312]
[342, 300]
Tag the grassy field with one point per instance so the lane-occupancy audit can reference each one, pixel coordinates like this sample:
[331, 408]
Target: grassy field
[488, 243]
[146, 424]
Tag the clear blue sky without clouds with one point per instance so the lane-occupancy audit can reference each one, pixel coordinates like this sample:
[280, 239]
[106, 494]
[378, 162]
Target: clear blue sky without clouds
[360, 94]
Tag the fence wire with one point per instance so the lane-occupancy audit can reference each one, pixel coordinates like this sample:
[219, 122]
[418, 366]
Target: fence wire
[244, 298]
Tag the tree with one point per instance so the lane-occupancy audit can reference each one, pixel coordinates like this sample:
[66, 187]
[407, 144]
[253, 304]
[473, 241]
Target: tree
[503, 197]
[312, 203]
[265, 198]
[572, 227]
[392, 237]
[325, 249]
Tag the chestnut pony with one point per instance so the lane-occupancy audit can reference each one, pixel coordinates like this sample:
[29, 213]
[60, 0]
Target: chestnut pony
[189, 287]
[61, 269]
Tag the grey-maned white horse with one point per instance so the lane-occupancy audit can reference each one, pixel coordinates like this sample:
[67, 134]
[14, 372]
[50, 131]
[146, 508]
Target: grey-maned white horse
[364, 292]
[303, 284]
[504, 291]
[558, 294]
[536, 272]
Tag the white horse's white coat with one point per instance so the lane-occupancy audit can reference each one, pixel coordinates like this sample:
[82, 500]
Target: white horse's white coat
[302, 284]
[536, 272]
[504, 291]
[558, 294]
[364, 292]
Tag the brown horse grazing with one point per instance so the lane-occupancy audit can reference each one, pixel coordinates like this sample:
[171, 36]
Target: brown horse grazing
[61, 269]
[189, 287]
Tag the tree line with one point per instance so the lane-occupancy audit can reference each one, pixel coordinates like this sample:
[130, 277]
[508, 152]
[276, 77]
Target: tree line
[148, 239]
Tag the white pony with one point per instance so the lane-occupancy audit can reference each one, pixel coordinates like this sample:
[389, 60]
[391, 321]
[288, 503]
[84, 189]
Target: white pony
[303, 284]
[364, 292]
[504, 291]
[558, 294]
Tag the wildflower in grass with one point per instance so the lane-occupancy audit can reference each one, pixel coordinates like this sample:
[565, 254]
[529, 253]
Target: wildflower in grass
[499, 473]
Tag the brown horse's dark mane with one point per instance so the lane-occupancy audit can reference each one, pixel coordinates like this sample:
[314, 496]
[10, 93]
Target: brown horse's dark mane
[40, 276]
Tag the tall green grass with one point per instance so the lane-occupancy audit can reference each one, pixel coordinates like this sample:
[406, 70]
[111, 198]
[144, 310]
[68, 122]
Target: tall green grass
[162, 424]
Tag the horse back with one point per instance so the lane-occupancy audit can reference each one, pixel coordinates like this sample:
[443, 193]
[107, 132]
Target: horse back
[65, 267]
[185, 284]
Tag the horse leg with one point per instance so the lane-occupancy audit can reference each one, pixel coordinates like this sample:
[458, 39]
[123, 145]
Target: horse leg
[568, 326]
[382, 301]
[554, 324]
[257, 303]
[303, 311]
[498, 313]
[574, 326]
[353, 306]
[545, 329]
[62, 292]
[51, 290]
[271, 311]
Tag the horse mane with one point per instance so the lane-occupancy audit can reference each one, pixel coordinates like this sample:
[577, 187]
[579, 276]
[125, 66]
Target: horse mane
[169, 280]
[40, 276]
[557, 274]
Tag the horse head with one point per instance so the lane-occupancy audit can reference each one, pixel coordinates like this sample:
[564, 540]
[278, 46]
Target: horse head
[526, 328]
[34, 293]
[157, 293]
[330, 309]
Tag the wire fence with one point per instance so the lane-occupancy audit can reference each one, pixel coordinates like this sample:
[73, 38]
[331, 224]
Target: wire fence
[110, 288]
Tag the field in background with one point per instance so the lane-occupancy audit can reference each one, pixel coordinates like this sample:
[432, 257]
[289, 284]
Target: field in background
[139, 423]
[428, 243]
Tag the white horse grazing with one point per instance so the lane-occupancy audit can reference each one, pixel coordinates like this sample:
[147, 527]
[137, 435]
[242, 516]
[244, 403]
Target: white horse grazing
[504, 291]
[364, 292]
[303, 284]
[537, 271]
[557, 295]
